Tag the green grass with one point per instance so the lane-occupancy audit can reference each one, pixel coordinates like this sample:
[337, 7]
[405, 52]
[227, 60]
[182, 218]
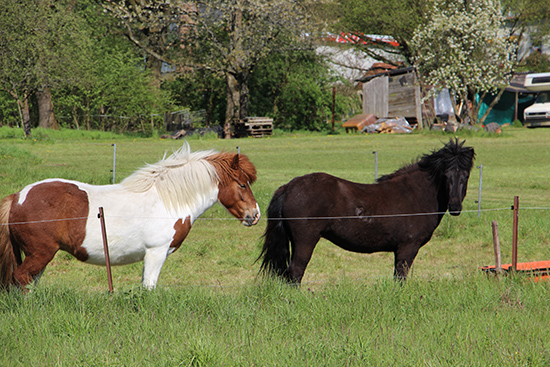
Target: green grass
[441, 322]
[210, 309]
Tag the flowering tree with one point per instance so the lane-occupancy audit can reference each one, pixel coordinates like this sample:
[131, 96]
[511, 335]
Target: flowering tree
[464, 48]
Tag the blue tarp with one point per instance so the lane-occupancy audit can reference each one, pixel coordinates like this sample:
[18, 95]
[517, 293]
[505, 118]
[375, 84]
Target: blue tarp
[503, 111]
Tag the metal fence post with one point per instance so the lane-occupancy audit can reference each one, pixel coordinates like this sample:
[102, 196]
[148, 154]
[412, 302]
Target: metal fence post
[114, 163]
[479, 192]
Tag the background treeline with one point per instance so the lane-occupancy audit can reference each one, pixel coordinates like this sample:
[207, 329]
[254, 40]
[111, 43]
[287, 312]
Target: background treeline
[120, 65]
[94, 77]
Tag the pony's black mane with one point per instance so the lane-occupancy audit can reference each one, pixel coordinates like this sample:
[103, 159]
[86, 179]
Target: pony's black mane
[453, 154]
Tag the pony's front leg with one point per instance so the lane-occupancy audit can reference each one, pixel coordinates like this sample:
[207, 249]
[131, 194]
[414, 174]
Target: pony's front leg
[152, 264]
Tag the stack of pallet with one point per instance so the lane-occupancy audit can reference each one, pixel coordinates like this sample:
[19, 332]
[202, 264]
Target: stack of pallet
[254, 126]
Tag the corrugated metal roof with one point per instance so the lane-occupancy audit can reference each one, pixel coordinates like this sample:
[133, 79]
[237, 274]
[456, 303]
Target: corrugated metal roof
[360, 38]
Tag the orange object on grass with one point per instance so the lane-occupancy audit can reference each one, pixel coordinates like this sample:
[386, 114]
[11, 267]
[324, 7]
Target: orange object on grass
[539, 269]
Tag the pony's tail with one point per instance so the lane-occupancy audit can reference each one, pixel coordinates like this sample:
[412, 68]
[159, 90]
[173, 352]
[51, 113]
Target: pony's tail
[8, 259]
[275, 251]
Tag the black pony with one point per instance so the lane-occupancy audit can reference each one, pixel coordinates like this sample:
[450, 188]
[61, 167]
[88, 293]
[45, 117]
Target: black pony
[398, 213]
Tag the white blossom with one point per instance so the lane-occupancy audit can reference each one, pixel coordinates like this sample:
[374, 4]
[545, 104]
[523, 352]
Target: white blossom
[464, 47]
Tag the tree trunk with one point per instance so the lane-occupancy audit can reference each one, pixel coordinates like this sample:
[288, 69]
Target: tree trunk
[46, 115]
[477, 106]
[25, 115]
[233, 104]
[87, 114]
[233, 79]
[209, 106]
[455, 107]
[155, 66]
[469, 107]
[243, 98]
[237, 99]
[75, 118]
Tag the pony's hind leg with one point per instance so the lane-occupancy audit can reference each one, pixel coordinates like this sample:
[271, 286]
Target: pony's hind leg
[302, 249]
[32, 268]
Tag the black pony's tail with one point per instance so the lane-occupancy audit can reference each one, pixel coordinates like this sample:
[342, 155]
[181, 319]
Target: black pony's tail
[275, 251]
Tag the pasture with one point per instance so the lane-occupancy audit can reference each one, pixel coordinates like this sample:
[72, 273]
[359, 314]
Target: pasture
[211, 309]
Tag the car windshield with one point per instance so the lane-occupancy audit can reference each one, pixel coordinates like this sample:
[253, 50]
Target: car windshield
[543, 97]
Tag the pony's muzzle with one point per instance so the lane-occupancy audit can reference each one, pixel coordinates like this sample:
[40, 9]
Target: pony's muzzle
[455, 209]
[253, 218]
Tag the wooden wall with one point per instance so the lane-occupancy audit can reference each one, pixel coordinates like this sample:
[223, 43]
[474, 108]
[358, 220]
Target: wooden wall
[375, 96]
[394, 96]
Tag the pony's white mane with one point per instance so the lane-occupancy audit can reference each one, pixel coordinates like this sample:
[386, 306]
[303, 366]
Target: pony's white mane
[184, 180]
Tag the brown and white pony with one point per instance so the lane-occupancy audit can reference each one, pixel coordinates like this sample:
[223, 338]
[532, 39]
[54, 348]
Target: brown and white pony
[147, 215]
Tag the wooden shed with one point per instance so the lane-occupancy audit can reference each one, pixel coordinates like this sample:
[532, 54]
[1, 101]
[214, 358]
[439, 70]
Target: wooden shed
[393, 93]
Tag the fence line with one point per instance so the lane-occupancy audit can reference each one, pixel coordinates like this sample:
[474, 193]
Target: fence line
[309, 282]
[362, 217]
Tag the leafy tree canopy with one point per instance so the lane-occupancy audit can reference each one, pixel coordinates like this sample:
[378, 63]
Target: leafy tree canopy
[42, 46]
[221, 36]
[397, 18]
[74, 49]
[528, 22]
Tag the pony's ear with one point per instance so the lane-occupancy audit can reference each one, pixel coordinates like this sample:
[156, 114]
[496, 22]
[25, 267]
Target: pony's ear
[235, 162]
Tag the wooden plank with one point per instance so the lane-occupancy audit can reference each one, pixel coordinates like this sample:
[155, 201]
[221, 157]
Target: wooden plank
[394, 87]
[398, 95]
[375, 97]
[418, 106]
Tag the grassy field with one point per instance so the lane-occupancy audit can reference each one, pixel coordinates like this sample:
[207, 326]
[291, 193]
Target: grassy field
[211, 309]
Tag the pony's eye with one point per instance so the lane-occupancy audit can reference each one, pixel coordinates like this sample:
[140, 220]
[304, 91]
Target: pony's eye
[242, 186]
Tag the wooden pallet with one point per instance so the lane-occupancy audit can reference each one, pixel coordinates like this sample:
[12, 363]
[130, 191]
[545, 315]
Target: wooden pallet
[254, 126]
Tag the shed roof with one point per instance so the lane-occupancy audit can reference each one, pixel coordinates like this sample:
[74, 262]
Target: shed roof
[393, 72]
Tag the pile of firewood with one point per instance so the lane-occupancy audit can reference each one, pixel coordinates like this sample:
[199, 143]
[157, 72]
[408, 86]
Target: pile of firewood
[389, 128]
